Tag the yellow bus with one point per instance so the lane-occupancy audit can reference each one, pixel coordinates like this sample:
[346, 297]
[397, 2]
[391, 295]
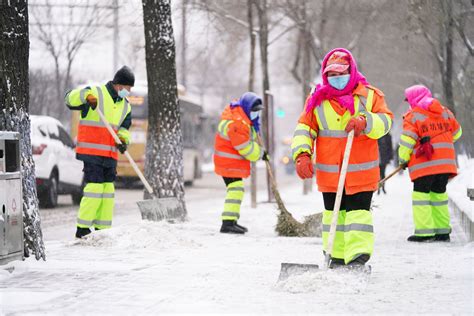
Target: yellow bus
[192, 116]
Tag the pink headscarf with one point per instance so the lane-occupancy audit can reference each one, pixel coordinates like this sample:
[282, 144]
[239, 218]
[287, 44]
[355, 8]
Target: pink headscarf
[327, 92]
[419, 96]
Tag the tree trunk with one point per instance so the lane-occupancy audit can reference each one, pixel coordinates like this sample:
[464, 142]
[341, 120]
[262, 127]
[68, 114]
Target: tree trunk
[14, 116]
[448, 71]
[164, 149]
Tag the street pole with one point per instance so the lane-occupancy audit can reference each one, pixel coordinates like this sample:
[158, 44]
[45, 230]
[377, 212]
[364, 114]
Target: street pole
[270, 140]
[116, 36]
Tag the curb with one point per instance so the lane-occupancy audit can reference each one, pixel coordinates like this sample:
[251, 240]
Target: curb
[465, 222]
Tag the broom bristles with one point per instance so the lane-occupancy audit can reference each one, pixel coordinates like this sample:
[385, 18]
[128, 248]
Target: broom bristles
[290, 227]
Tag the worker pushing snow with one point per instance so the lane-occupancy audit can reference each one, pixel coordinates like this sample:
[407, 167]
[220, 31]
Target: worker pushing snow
[235, 146]
[97, 148]
[343, 102]
[426, 145]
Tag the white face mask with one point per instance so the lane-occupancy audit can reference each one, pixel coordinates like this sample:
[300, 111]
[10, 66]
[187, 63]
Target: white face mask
[123, 93]
[255, 114]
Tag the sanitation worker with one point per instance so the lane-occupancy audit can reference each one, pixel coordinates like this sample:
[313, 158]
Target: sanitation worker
[235, 147]
[426, 145]
[343, 102]
[96, 147]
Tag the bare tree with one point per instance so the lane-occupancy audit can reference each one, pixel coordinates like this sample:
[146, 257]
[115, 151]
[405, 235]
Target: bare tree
[14, 116]
[63, 41]
[164, 152]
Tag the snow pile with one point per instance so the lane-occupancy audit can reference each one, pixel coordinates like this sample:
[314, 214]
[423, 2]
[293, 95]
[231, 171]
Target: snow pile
[142, 235]
[324, 282]
[457, 188]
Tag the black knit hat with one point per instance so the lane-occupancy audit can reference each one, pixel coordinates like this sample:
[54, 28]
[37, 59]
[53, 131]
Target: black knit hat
[124, 76]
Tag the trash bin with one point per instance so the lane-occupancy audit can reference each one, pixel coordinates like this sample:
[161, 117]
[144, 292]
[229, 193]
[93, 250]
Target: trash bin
[11, 199]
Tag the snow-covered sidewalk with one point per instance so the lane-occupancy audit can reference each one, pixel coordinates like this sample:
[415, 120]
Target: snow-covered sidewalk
[155, 268]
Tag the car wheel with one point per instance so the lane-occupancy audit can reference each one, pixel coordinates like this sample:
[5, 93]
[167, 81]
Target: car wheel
[51, 194]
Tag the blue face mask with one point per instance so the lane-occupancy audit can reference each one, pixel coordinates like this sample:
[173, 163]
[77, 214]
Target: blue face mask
[339, 82]
[123, 93]
[254, 115]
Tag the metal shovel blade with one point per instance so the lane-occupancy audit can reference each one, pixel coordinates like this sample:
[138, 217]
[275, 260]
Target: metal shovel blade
[292, 269]
[169, 209]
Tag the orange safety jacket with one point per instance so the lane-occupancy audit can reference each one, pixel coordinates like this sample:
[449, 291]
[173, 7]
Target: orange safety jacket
[326, 124]
[441, 126]
[93, 138]
[235, 144]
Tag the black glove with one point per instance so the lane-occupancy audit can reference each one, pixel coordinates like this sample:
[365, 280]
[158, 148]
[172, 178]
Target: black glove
[265, 156]
[121, 147]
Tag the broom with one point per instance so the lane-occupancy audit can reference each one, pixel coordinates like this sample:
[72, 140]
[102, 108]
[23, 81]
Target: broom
[287, 225]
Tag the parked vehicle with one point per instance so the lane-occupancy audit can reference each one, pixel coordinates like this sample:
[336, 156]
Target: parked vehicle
[57, 169]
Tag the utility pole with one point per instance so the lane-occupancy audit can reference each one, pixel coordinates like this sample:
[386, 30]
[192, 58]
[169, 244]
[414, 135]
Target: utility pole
[116, 35]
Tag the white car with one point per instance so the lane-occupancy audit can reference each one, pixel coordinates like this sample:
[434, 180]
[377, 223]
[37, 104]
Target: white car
[57, 169]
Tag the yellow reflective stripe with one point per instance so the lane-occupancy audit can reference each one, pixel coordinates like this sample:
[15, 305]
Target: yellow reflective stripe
[222, 129]
[370, 98]
[457, 134]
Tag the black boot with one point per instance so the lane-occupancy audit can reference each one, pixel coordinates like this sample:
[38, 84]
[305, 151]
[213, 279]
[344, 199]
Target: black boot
[336, 263]
[81, 232]
[230, 228]
[421, 238]
[442, 237]
[241, 227]
[360, 260]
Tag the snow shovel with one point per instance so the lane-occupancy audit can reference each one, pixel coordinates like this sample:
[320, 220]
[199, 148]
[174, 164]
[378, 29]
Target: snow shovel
[288, 269]
[154, 209]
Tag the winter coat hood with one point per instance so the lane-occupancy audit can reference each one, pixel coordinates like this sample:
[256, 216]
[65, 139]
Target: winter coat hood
[419, 96]
[247, 101]
[326, 92]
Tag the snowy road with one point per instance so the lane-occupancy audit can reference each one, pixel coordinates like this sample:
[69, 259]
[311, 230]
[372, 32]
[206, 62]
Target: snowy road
[154, 268]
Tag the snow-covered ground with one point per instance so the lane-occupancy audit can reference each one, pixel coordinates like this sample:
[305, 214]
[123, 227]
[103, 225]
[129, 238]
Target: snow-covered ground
[157, 268]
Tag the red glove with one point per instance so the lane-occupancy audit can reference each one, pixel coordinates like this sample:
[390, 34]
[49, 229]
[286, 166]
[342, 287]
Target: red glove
[425, 148]
[304, 166]
[357, 124]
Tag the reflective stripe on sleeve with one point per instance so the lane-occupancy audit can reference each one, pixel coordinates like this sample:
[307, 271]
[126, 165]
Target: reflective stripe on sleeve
[82, 96]
[410, 134]
[303, 146]
[243, 145]
[406, 144]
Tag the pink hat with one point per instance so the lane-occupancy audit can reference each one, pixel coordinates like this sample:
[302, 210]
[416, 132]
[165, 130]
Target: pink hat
[418, 96]
[338, 62]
